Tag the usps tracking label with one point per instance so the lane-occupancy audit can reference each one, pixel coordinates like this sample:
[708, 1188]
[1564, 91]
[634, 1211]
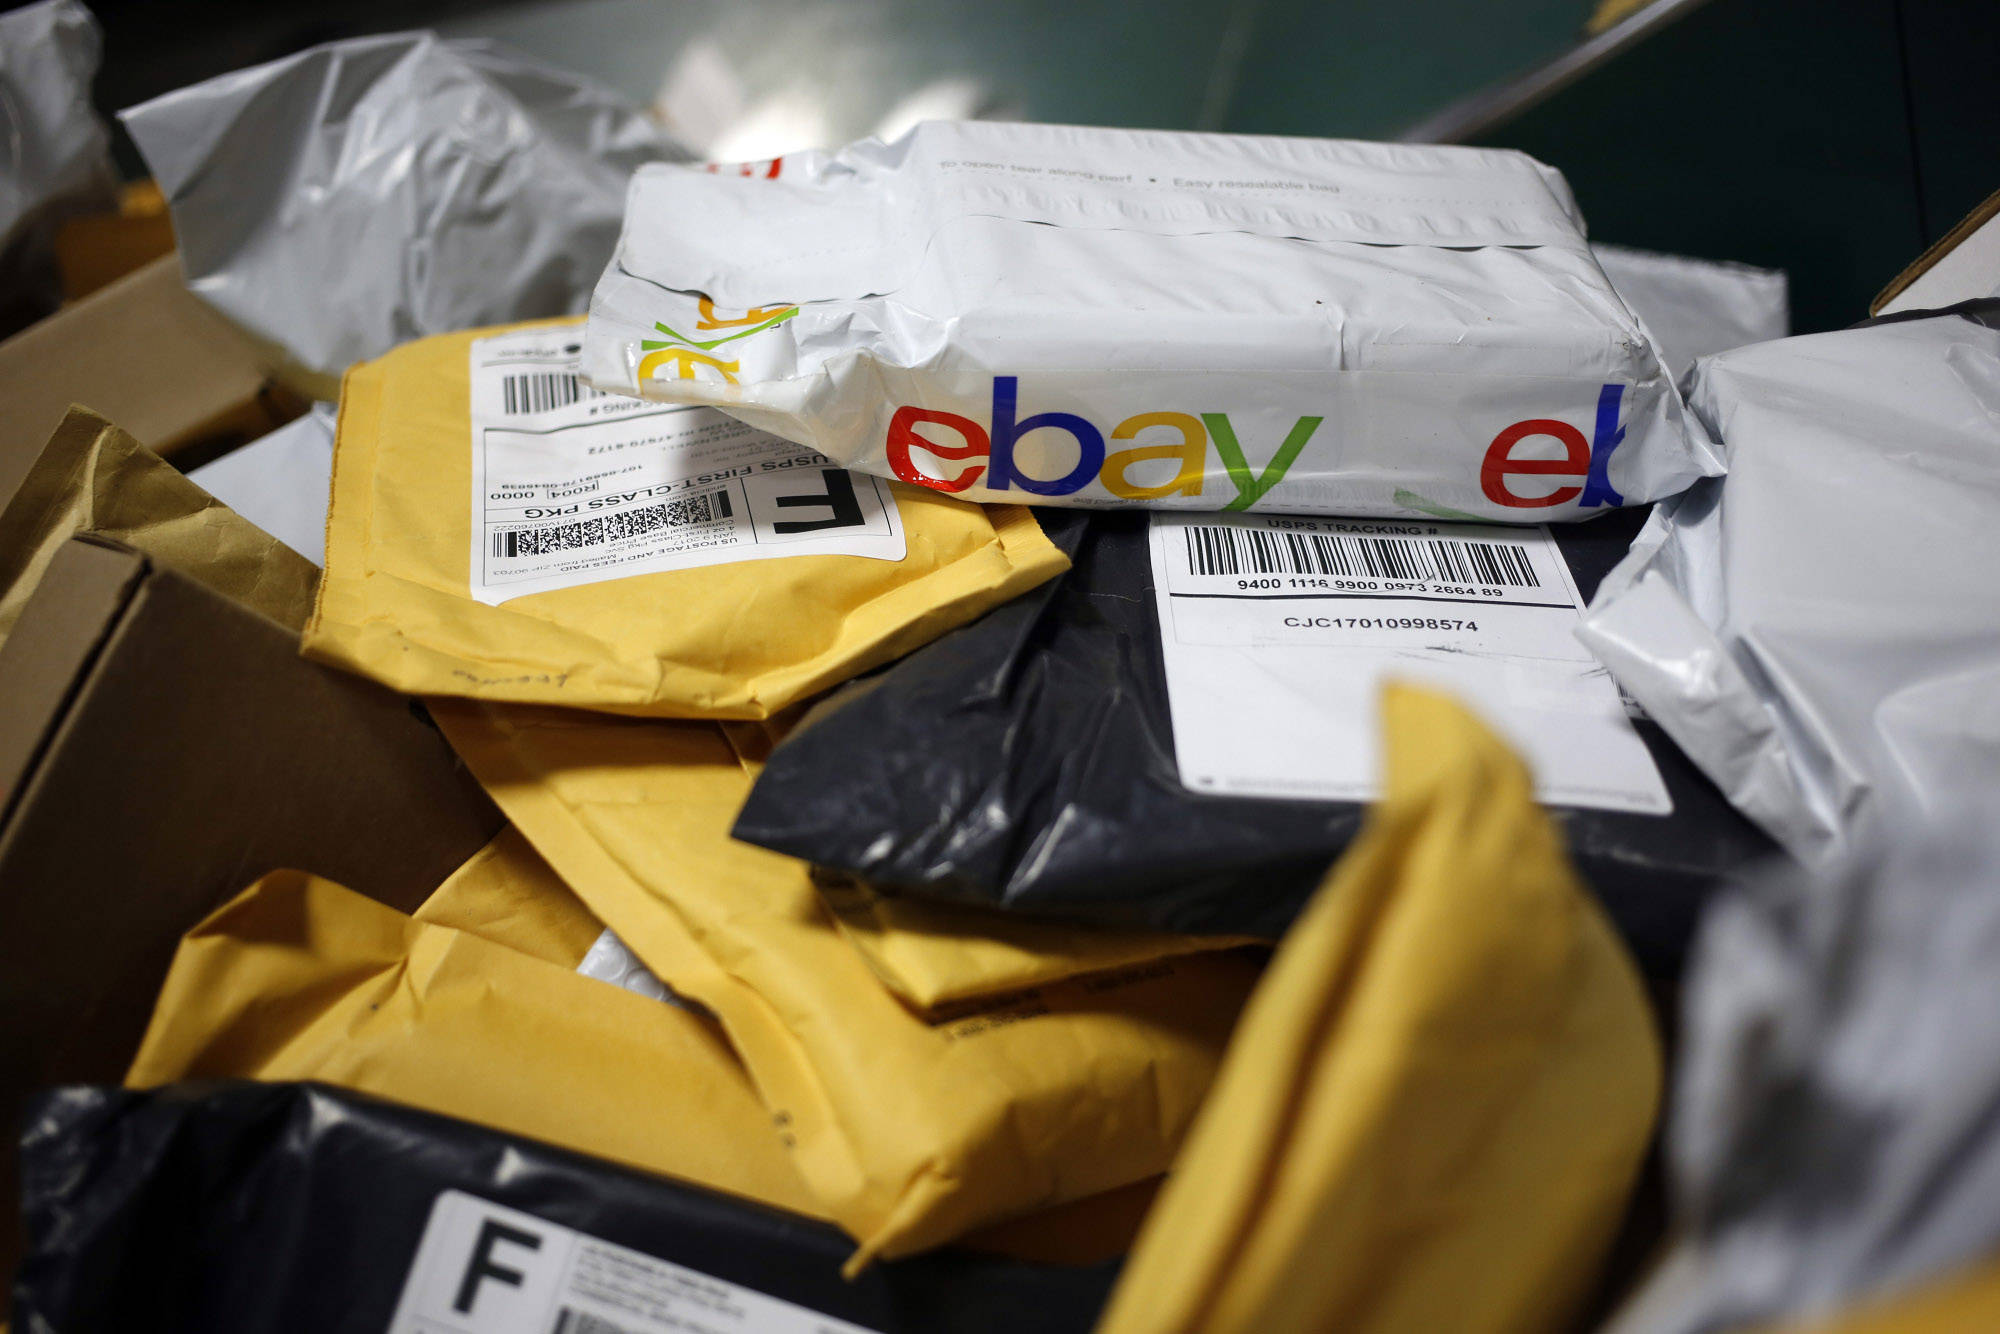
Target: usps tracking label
[483, 1268]
[1279, 633]
[571, 485]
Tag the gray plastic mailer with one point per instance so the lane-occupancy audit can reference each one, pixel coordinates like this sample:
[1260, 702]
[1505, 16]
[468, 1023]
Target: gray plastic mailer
[1697, 307]
[1835, 1128]
[366, 192]
[1820, 630]
[53, 149]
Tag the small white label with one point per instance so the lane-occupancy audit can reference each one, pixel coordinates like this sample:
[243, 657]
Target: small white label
[483, 1268]
[572, 486]
[1279, 633]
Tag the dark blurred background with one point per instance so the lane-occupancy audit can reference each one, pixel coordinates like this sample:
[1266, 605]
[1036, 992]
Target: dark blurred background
[1831, 138]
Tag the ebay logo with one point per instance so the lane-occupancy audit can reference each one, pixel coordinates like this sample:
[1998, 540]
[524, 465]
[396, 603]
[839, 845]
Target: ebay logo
[952, 440]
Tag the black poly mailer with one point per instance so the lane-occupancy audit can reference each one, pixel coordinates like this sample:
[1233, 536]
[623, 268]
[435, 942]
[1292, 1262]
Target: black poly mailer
[1026, 761]
[306, 1209]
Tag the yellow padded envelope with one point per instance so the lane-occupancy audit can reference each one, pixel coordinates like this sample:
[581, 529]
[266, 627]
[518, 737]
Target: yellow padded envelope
[1440, 1093]
[479, 1014]
[297, 978]
[738, 640]
[909, 1132]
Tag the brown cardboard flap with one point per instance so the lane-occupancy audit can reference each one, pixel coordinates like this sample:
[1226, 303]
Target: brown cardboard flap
[1984, 213]
[146, 353]
[191, 751]
[80, 602]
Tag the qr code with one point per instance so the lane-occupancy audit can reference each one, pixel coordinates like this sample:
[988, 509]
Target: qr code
[712, 507]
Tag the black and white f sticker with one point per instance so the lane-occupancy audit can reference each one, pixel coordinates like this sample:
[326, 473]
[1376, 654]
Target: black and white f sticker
[483, 1268]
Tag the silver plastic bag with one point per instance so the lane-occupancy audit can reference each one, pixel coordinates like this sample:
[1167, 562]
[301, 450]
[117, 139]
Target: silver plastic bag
[1834, 1134]
[1820, 629]
[54, 151]
[362, 193]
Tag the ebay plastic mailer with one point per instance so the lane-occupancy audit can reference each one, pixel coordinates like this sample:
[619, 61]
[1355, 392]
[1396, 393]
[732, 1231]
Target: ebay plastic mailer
[1067, 316]
[1816, 630]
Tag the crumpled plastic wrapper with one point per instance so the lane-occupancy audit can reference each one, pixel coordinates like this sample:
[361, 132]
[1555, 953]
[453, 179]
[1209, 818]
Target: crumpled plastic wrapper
[363, 193]
[54, 151]
[1835, 1134]
[1816, 629]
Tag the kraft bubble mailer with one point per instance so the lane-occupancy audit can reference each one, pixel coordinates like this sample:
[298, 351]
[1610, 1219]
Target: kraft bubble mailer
[498, 531]
[1437, 1102]
[909, 1130]
[472, 1008]
[1054, 315]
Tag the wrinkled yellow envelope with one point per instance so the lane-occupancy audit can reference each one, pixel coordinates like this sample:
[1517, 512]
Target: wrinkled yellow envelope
[94, 478]
[581, 486]
[1439, 1096]
[935, 954]
[910, 1132]
[482, 1016]
[297, 978]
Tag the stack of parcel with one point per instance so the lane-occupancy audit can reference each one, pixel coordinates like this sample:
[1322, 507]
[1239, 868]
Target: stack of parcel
[1027, 726]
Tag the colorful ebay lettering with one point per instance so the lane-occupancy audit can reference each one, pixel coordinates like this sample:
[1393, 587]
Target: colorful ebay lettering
[1581, 474]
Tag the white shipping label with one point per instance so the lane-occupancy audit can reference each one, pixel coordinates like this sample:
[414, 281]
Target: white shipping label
[1280, 632]
[483, 1268]
[572, 486]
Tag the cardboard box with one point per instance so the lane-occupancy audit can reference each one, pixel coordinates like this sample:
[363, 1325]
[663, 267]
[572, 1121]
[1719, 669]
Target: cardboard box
[1964, 264]
[160, 747]
[146, 353]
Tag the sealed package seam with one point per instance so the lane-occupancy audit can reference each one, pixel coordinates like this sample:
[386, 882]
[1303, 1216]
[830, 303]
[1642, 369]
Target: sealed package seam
[1102, 317]
[910, 1130]
[499, 533]
[345, 199]
[1816, 630]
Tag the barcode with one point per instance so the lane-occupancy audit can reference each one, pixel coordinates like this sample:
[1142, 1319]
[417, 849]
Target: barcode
[610, 527]
[572, 1321]
[1219, 550]
[543, 391]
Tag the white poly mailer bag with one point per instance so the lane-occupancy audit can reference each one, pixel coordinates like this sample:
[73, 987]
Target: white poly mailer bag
[1057, 315]
[363, 193]
[1820, 631]
[1697, 307]
[1833, 1137]
[54, 152]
